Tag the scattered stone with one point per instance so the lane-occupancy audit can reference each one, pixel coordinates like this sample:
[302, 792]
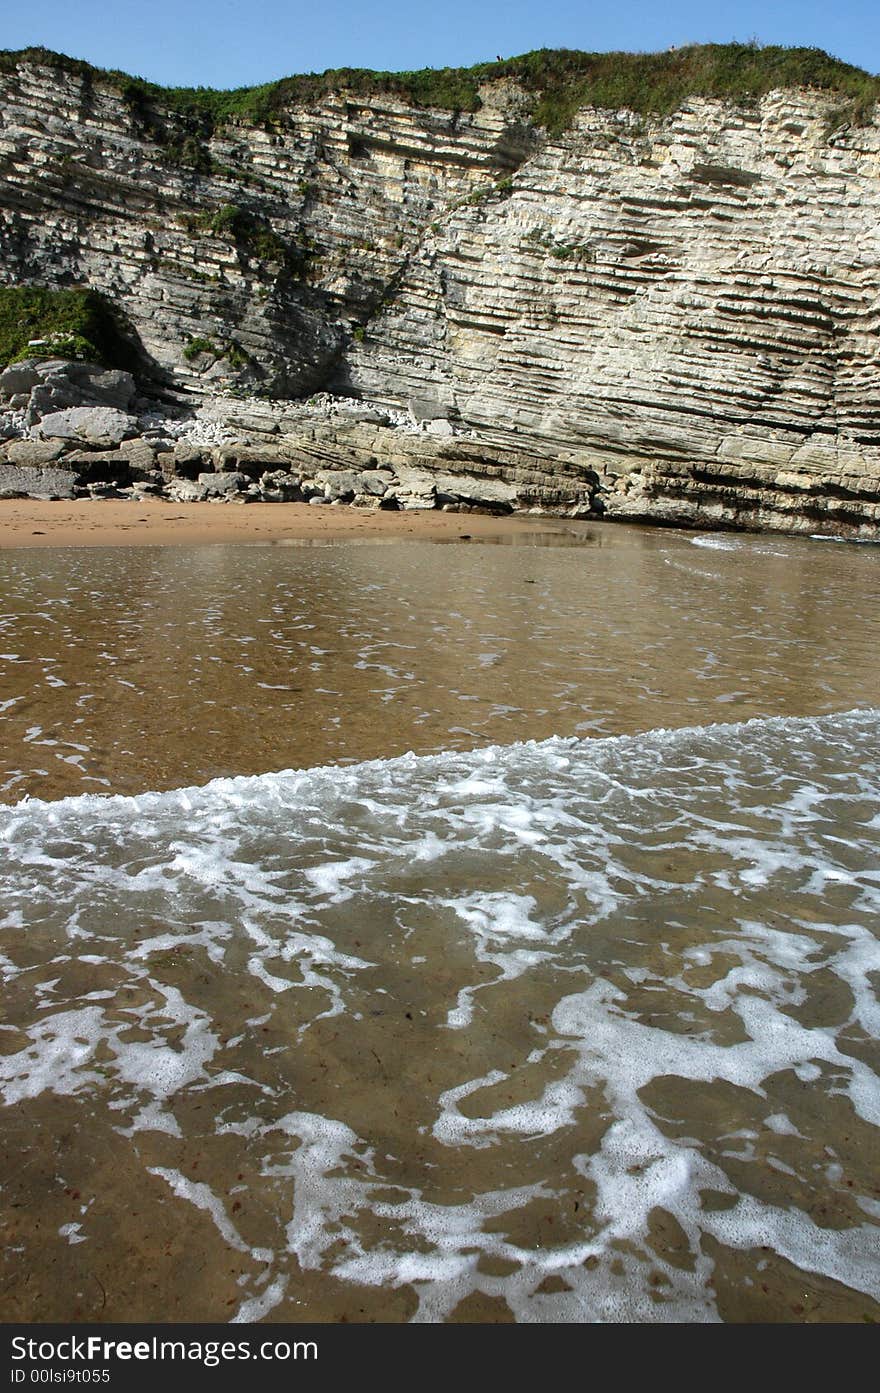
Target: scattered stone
[338, 484]
[280, 487]
[428, 408]
[440, 427]
[222, 485]
[189, 459]
[104, 490]
[34, 452]
[18, 379]
[103, 425]
[362, 415]
[225, 458]
[375, 481]
[140, 456]
[36, 482]
[99, 466]
[185, 491]
[246, 459]
[58, 385]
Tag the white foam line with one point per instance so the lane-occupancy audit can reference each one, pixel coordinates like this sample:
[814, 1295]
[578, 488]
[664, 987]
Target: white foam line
[203, 1197]
[256, 1307]
[284, 783]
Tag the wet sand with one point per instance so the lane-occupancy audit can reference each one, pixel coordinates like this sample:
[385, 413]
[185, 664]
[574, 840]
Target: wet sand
[31, 522]
[136, 667]
[563, 1034]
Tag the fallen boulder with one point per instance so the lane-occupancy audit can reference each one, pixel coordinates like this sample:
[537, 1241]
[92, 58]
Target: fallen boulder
[34, 452]
[280, 487]
[35, 482]
[57, 384]
[100, 425]
[223, 485]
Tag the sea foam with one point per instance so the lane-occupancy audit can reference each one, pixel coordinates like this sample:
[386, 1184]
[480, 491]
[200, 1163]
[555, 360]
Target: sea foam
[586, 1028]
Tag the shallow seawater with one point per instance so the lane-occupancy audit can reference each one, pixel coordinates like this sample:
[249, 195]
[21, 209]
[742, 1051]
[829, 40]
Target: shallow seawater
[557, 1028]
[150, 668]
[559, 1031]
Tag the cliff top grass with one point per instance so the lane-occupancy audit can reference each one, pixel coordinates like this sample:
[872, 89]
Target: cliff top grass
[75, 323]
[562, 81]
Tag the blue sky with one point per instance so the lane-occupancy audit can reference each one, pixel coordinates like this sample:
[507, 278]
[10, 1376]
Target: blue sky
[231, 43]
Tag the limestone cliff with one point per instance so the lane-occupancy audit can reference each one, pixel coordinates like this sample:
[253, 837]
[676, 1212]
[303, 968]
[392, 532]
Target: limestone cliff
[669, 319]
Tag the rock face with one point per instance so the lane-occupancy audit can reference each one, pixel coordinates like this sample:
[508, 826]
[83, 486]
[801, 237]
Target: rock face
[668, 320]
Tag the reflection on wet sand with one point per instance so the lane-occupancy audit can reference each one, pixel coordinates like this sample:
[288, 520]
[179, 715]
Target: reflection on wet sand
[145, 668]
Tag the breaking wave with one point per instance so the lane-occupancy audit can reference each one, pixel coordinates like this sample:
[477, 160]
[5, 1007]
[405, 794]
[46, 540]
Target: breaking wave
[569, 1030]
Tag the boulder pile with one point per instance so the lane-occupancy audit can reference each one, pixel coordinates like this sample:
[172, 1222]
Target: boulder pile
[77, 430]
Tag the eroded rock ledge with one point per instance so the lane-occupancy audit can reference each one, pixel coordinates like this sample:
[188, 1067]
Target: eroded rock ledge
[79, 430]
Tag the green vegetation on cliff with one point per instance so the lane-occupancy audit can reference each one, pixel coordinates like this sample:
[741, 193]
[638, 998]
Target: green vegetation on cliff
[658, 83]
[562, 80]
[72, 324]
[252, 234]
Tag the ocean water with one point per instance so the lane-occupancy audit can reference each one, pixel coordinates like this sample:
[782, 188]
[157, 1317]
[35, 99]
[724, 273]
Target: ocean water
[138, 668]
[551, 1029]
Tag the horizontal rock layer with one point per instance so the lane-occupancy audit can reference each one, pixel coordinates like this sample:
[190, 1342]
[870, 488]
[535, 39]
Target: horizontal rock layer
[670, 320]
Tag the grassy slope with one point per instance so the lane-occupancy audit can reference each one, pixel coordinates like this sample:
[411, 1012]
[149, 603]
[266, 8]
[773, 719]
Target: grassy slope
[75, 323]
[560, 79]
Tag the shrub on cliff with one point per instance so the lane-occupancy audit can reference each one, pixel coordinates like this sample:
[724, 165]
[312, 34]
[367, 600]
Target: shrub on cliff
[39, 323]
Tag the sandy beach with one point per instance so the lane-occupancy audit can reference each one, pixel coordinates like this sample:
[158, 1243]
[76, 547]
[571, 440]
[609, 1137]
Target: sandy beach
[88, 523]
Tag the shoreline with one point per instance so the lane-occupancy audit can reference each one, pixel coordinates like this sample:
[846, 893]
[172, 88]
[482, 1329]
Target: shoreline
[30, 522]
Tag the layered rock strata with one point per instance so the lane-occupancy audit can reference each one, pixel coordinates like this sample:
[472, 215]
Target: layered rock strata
[663, 320]
[331, 450]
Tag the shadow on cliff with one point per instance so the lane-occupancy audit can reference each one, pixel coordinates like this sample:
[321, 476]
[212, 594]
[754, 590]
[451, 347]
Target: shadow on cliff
[121, 346]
